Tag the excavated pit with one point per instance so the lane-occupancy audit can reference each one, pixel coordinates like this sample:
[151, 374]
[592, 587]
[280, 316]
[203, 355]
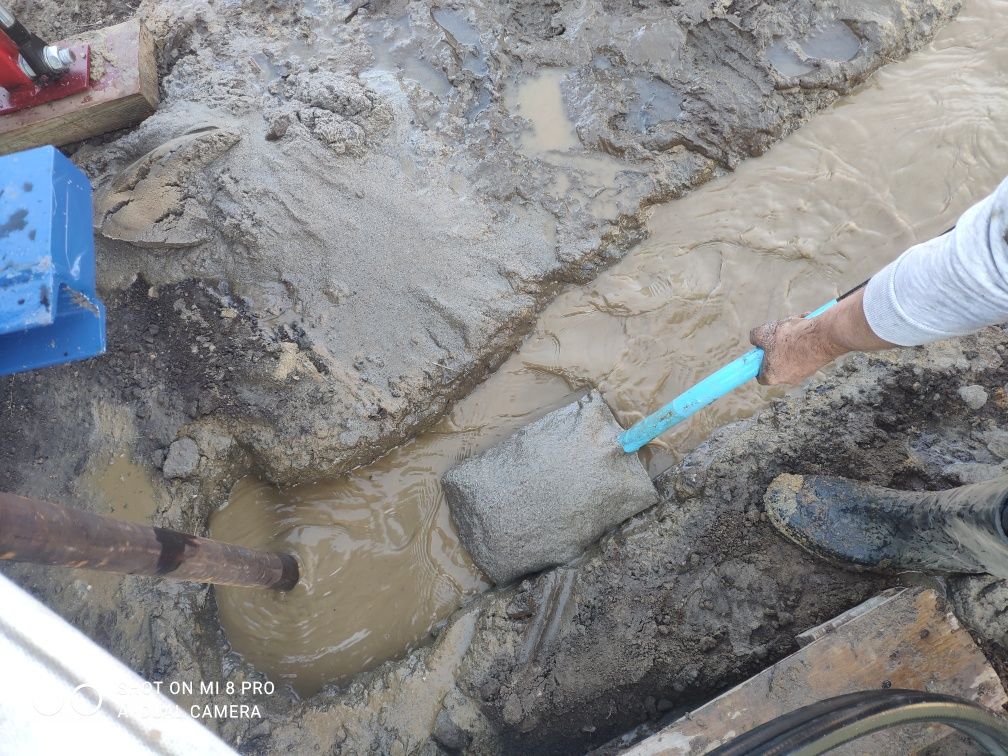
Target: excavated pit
[277, 309]
[708, 269]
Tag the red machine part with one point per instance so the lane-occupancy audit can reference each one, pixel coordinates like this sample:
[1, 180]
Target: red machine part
[11, 75]
[19, 92]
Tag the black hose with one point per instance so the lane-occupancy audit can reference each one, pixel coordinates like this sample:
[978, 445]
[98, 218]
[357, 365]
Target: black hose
[822, 726]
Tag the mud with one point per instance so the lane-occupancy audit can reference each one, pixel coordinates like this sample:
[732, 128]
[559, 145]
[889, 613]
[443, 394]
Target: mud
[823, 210]
[387, 306]
[271, 300]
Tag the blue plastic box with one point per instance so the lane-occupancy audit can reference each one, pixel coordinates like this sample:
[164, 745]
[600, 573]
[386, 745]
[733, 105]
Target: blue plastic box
[49, 310]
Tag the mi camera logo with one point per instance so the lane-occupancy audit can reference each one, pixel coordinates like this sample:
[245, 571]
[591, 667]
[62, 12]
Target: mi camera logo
[85, 700]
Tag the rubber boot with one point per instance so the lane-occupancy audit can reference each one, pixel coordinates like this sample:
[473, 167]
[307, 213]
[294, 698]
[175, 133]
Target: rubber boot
[875, 528]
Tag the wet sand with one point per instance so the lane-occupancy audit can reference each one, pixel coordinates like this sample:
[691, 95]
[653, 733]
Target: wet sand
[891, 165]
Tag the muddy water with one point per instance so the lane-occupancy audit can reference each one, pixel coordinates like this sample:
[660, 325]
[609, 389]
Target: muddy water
[551, 138]
[832, 42]
[887, 167]
[381, 561]
[353, 607]
[393, 54]
[125, 486]
[539, 100]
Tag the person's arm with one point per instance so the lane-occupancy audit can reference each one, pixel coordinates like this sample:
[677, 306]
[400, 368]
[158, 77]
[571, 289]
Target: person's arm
[949, 286]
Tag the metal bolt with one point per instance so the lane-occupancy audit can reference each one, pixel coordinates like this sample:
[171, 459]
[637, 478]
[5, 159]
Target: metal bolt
[59, 59]
[25, 68]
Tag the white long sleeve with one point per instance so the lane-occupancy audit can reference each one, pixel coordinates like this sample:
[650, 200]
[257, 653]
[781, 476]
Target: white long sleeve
[952, 285]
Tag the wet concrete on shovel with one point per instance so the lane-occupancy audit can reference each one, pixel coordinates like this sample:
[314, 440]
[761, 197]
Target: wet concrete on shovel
[887, 167]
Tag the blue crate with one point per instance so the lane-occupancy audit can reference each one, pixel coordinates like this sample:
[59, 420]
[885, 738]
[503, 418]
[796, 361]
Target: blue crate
[49, 310]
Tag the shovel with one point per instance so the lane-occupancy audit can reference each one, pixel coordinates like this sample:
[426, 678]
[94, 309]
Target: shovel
[540, 497]
[714, 386]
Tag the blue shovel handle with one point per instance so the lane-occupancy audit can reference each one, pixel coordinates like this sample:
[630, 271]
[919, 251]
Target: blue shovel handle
[714, 386]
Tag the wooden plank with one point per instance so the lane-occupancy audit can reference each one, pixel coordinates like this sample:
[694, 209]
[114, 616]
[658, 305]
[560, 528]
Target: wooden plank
[124, 91]
[910, 640]
[830, 626]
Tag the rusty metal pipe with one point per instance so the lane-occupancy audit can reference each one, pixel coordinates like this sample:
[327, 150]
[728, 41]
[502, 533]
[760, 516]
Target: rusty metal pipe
[32, 530]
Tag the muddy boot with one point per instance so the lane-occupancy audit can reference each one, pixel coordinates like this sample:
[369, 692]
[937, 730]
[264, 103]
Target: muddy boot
[875, 528]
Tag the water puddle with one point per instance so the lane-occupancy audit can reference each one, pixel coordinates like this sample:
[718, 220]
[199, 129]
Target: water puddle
[785, 60]
[394, 53]
[454, 23]
[552, 138]
[126, 487]
[833, 42]
[656, 102]
[483, 100]
[816, 214]
[602, 62]
[539, 100]
[358, 540]
[269, 70]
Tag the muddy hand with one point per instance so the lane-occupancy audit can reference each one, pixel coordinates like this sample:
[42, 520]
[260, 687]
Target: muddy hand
[796, 348]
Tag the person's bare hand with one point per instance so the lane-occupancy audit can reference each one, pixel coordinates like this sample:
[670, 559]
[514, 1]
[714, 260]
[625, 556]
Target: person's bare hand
[794, 349]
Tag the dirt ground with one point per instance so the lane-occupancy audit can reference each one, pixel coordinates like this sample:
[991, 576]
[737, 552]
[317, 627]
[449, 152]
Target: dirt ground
[271, 300]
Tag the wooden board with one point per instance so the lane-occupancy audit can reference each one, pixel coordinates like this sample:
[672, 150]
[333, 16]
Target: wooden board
[124, 91]
[907, 640]
[830, 626]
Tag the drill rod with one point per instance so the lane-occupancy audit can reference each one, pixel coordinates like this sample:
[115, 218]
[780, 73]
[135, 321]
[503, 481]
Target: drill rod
[32, 530]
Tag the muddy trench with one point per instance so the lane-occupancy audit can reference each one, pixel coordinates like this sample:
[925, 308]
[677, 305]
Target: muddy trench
[361, 241]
